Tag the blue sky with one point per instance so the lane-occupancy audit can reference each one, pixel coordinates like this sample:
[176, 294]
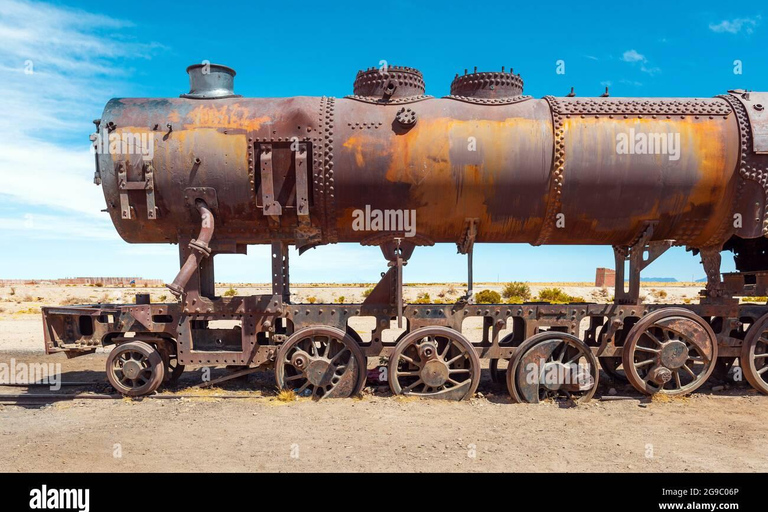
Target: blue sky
[61, 61]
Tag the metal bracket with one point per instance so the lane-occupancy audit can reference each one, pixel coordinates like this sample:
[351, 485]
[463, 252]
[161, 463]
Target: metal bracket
[466, 245]
[147, 184]
[271, 206]
[302, 189]
[635, 253]
[280, 271]
[207, 194]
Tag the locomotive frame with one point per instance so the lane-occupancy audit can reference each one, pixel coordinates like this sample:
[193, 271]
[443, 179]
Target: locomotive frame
[719, 330]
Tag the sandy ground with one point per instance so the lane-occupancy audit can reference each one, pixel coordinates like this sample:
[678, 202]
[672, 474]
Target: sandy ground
[709, 431]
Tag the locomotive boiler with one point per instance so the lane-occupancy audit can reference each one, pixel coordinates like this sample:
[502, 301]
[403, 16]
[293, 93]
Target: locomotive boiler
[394, 167]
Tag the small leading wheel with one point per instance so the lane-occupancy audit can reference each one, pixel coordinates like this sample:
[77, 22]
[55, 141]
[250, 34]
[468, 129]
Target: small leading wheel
[671, 351]
[321, 362]
[434, 362]
[754, 355]
[552, 364]
[135, 368]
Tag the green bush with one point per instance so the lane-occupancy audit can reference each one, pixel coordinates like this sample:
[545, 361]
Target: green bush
[516, 289]
[423, 298]
[487, 297]
[230, 293]
[557, 296]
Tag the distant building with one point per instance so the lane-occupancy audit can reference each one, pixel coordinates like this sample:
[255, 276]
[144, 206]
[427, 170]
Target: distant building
[605, 277]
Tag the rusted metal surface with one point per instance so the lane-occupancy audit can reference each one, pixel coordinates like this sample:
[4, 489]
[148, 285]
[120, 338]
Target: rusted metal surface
[358, 153]
[485, 164]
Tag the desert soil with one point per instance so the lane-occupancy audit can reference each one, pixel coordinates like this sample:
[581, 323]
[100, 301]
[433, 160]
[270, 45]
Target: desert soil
[709, 431]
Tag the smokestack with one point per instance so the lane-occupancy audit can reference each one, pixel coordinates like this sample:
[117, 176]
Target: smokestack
[211, 81]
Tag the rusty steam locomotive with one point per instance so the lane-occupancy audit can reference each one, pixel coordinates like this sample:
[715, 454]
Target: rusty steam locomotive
[485, 164]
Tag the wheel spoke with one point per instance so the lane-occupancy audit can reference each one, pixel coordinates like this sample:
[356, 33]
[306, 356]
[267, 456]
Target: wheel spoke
[642, 364]
[575, 358]
[346, 349]
[689, 371]
[653, 337]
[562, 351]
[410, 387]
[449, 363]
[641, 348]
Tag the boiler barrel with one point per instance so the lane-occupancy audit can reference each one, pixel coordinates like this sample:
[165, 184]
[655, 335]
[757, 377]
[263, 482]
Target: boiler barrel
[540, 171]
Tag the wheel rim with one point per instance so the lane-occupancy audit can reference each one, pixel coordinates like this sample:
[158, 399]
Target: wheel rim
[754, 356]
[135, 368]
[173, 370]
[552, 365]
[321, 362]
[434, 362]
[670, 351]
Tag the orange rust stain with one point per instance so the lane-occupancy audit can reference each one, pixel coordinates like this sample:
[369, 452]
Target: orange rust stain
[698, 179]
[453, 166]
[232, 116]
[364, 145]
[174, 116]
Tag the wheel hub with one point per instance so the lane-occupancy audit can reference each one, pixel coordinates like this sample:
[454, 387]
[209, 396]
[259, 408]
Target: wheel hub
[660, 375]
[319, 372]
[556, 375]
[435, 373]
[131, 369]
[674, 354]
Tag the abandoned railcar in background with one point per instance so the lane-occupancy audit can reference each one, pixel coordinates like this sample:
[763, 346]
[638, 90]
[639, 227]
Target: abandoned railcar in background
[485, 164]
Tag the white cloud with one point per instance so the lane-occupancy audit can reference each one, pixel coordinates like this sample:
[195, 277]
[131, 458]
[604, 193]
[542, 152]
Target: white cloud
[736, 25]
[633, 56]
[59, 65]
